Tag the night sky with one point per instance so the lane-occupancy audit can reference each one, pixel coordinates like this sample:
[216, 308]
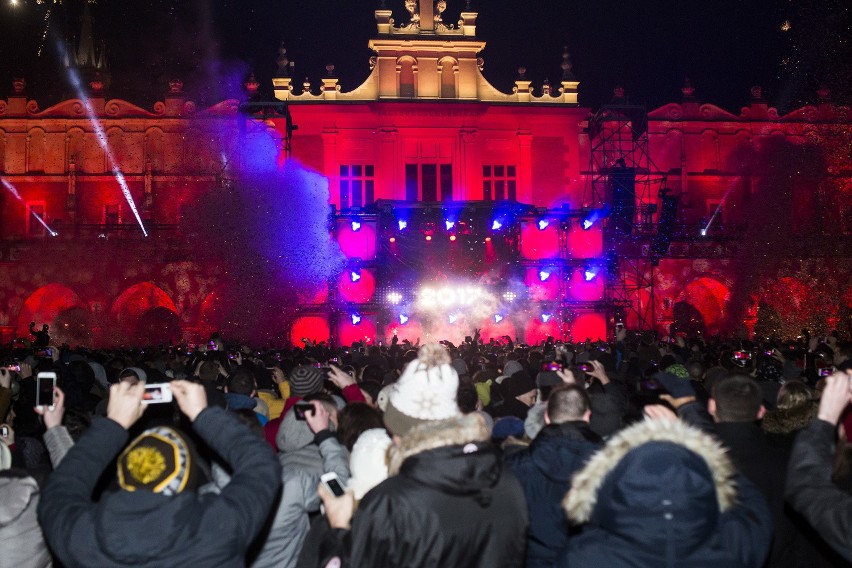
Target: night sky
[723, 46]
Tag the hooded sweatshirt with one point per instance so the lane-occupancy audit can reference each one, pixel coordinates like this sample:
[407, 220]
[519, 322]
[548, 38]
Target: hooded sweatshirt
[304, 457]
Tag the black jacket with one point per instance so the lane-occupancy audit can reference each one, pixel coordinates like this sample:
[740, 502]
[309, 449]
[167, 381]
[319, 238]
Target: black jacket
[452, 503]
[811, 492]
[146, 529]
[544, 471]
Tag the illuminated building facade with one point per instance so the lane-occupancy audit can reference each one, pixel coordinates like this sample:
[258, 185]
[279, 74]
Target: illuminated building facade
[762, 219]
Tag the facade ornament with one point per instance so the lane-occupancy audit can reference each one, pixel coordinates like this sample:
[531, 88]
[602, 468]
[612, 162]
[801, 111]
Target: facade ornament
[19, 84]
[175, 86]
[97, 84]
[480, 63]
[251, 85]
[566, 65]
[545, 88]
[373, 62]
[414, 22]
[522, 73]
[756, 94]
[688, 91]
[440, 26]
[306, 85]
[284, 64]
[329, 70]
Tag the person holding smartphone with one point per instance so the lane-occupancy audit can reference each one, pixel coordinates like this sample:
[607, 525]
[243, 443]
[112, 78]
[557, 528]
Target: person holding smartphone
[157, 518]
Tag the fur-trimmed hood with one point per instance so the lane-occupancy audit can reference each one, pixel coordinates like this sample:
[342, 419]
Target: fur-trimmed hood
[462, 429]
[652, 473]
[789, 420]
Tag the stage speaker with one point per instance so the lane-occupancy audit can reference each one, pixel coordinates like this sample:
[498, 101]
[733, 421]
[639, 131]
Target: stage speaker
[623, 200]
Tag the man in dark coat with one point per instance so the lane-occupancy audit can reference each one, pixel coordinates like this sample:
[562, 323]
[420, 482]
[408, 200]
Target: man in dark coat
[449, 500]
[544, 470]
[809, 487]
[157, 519]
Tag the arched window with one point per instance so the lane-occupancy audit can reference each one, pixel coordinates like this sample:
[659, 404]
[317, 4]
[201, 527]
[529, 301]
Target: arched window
[406, 78]
[448, 79]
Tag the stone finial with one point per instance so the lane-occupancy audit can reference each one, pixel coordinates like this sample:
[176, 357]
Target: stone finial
[824, 93]
[545, 88]
[306, 85]
[329, 70]
[175, 86]
[251, 85]
[282, 62]
[566, 65]
[19, 84]
[688, 91]
[97, 84]
[522, 73]
[756, 94]
[480, 63]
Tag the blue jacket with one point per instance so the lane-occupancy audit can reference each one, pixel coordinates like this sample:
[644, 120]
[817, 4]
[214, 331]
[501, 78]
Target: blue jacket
[545, 470]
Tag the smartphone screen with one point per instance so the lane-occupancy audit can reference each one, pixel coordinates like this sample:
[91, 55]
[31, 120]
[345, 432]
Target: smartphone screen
[333, 485]
[45, 383]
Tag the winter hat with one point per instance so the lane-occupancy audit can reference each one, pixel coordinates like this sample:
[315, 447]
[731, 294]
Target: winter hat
[518, 384]
[512, 367]
[548, 379]
[140, 374]
[426, 391]
[678, 370]
[770, 370]
[460, 366]
[507, 426]
[305, 380]
[368, 462]
[100, 374]
[158, 460]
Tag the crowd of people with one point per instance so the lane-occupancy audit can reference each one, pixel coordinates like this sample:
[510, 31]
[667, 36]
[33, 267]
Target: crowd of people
[637, 451]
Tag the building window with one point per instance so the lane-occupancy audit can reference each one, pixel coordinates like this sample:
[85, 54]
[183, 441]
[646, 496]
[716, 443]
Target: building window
[428, 182]
[35, 216]
[111, 214]
[357, 185]
[499, 183]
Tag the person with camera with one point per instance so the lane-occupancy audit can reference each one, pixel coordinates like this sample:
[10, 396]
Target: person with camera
[42, 337]
[157, 518]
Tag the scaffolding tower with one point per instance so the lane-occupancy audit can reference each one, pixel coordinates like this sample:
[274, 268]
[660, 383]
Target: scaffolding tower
[624, 187]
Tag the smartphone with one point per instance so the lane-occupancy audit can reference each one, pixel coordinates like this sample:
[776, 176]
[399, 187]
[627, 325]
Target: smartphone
[157, 393]
[585, 367]
[742, 355]
[212, 346]
[334, 360]
[302, 409]
[45, 381]
[551, 366]
[4, 432]
[14, 367]
[769, 352]
[332, 483]
[826, 371]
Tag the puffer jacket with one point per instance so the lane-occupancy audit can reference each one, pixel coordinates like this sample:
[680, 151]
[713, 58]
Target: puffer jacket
[664, 494]
[21, 541]
[304, 457]
[450, 501]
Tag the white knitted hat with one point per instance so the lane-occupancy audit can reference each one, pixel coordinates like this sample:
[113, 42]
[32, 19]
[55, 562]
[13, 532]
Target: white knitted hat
[426, 391]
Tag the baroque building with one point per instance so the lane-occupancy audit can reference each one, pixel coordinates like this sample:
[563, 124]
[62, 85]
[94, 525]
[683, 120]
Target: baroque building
[699, 219]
